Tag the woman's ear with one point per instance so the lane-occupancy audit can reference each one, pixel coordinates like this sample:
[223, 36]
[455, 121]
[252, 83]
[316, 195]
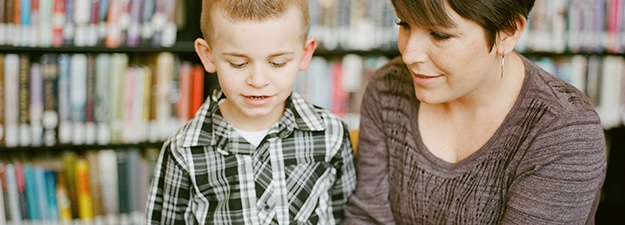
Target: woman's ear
[309, 50]
[508, 39]
[204, 51]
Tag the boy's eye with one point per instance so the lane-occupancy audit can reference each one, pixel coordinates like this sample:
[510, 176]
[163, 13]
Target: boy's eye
[238, 65]
[439, 36]
[278, 64]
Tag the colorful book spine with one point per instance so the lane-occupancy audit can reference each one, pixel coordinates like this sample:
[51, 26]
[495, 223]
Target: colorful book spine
[3, 24]
[69, 27]
[58, 23]
[83, 191]
[198, 88]
[51, 187]
[69, 174]
[113, 30]
[185, 84]
[64, 201]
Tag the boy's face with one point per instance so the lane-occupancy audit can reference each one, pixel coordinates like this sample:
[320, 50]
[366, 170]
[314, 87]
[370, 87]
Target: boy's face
[257, 64]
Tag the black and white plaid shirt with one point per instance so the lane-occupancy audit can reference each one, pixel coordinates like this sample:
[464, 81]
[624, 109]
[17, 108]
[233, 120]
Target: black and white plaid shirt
[301, 173]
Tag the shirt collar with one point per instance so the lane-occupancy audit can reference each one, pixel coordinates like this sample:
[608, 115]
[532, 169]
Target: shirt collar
[208, 127]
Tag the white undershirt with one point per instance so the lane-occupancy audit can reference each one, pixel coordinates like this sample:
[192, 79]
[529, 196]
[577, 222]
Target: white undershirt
[253, 137]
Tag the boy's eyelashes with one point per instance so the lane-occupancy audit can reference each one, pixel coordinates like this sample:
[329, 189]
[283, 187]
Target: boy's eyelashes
[275, 64]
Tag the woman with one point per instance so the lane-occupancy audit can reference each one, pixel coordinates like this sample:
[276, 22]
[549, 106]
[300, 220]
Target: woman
[463, 130]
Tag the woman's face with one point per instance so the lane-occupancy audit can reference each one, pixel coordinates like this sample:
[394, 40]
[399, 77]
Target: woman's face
[448, 63]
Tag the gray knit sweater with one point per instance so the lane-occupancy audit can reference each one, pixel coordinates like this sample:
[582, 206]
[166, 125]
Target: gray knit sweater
[544, 165]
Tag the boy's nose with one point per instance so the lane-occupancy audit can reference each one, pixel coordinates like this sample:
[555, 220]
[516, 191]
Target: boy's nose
[258, 77]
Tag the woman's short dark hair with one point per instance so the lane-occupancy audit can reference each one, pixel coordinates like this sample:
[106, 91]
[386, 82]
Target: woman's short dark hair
[492, 15]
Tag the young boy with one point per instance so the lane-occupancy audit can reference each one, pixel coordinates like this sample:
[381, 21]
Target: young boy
[255, 152]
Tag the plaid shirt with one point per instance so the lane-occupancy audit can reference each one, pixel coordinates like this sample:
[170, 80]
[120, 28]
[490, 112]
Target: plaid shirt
[301, 173]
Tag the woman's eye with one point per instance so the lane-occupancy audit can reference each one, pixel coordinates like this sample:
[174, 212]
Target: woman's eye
[278, 64]
[439, 36]
[401, 23]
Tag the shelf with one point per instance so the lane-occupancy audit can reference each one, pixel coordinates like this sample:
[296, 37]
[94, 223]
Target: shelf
[59, 148]
[179, 47]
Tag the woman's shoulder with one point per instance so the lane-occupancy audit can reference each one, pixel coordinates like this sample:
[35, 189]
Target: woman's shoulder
[554, 91]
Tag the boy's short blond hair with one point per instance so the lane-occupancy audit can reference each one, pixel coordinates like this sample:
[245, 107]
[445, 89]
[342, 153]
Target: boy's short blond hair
[250, 10]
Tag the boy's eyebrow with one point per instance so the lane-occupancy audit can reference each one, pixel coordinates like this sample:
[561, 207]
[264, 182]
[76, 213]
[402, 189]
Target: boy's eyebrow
[244, 56]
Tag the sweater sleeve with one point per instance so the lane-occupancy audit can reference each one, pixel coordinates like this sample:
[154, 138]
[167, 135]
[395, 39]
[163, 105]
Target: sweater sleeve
[560, 178]
[370, 203]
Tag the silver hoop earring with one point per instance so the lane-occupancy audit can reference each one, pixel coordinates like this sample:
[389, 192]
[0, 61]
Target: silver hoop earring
[503, 63]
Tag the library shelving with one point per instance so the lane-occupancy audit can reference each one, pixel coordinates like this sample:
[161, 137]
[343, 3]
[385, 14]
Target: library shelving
[342, 52]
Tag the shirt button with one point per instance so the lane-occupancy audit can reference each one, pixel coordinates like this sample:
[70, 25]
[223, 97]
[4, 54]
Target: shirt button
[267, 207]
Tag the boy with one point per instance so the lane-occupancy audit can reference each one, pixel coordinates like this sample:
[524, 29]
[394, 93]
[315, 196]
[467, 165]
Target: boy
[255, 152]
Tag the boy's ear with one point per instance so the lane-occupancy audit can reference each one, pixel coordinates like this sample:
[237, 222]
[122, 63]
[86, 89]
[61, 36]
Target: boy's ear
[309, 50]
[204, 51]
[507, 40]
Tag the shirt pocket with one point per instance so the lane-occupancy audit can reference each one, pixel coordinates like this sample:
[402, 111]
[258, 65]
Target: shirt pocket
[308, 186]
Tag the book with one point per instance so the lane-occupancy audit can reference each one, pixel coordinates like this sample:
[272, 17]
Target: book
[118, 71]
[113, 37]
[185, 85]
[2, 100]
[107, 168]
[122, 183]
[44, 29]
[197, 90]
[90, 123]
[95, 185]
[51, 187]
[64, 105]
[63, 199]
[14, 205]
[102, 99]
[24, 100]
[24, 28]
[3, 24]
[164, 77]
[83, 191]
[50, 120]
[134, 28]
[81, 13]
[11, 93]
[69, 159]
[3, 191]
[21, 190]
[36, 105]
[78, 97]
[58, 23]
[69, 30]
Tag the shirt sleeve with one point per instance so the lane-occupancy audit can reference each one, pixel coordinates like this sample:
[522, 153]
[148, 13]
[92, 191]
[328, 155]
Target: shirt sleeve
[346, 178]
[169, 197]
[370, 203]
[560, 179]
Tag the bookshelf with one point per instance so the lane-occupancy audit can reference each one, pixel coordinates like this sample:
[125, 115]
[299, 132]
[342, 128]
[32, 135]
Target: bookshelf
[341, 47]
